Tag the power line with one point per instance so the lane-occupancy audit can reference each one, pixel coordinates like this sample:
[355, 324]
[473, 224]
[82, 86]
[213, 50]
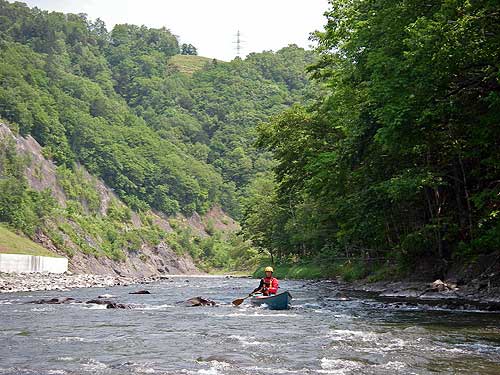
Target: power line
[238, 43]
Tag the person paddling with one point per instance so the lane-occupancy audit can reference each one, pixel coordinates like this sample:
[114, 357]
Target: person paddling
[268, 285]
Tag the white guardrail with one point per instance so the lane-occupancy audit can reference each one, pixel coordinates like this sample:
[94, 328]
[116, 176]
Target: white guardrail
[18, 263]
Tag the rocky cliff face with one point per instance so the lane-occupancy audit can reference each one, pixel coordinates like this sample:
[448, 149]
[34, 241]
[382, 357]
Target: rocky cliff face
[85, 247]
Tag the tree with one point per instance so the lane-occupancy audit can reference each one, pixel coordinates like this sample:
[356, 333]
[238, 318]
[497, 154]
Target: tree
[188, 49]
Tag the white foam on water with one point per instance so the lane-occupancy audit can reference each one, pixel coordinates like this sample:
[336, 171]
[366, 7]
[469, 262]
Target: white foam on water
[393, 345]
[374, 342]
[245, 340]
[415, 329]
[478, 348]
[269, 370]
[392, 365]
[56, 372]
[256, 315]
[448, 350]
[338, 366]
[145, 370]
[215, 368]
[42, 309]
[65, 359]
[93, 365]
[344, 334]
[95, 307]
[157, 307]
[311, 306]
[210, 371]
[68, 339]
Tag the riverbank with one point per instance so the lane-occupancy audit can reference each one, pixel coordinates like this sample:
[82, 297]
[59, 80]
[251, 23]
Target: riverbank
[464, 287]
[30, 282]
[473, 296]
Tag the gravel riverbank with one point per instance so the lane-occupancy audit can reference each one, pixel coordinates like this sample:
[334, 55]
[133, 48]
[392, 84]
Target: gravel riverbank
[29, 282]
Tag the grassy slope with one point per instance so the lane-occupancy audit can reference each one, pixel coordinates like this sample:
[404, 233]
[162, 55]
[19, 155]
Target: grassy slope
[11, 243]
[188, 63]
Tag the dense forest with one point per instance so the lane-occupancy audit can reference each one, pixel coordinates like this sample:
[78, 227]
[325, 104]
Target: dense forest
[382, 145]
[112, 102]
[399, 159]
[118, 103]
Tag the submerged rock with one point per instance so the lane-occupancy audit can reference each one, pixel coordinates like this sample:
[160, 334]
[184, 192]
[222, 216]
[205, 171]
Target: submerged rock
[99, 302]
[110, 304]
[106, 296]
[55, 301]
[114, 305]
[198, 301]
[141, 292]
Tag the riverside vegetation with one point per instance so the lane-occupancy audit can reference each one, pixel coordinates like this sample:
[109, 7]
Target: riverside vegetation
[376, 153]
[397, 163]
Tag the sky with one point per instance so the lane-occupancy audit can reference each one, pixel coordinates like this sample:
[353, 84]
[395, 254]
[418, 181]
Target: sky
[210, 25]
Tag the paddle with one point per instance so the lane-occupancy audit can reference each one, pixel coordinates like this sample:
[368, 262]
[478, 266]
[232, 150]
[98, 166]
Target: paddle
[239, 301]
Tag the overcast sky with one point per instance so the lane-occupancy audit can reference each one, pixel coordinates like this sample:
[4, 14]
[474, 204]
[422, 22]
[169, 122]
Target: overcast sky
[210, 25]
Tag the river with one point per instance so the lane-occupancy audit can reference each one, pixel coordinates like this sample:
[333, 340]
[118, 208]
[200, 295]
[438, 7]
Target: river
[322, 334]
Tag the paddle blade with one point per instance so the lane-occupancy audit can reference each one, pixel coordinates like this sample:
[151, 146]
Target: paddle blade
[238, 301]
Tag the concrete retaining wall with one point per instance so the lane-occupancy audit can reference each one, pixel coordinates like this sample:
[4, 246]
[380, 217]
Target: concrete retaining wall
[31, 263]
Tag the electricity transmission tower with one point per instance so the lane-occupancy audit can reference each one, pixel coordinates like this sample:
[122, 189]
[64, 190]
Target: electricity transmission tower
[238, 43]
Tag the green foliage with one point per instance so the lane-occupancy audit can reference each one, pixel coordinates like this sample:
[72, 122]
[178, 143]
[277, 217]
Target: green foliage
[219, 251]
[79, 187]
[20, 206]
[293, 270]
[118, 103]
[188, 49]
[400, 157]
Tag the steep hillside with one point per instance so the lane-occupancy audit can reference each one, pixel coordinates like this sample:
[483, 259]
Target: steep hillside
[84, 220]
[133, 145]
[119, 103]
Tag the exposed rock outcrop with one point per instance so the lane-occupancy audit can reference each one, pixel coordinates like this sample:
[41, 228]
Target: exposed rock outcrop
[145, 261]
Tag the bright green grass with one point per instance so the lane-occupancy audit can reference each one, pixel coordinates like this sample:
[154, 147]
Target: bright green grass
[189, 63]
[11, 243]
[322, 269]
[302, 270]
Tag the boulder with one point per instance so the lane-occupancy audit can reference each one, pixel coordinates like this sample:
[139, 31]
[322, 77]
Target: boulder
[441, 286]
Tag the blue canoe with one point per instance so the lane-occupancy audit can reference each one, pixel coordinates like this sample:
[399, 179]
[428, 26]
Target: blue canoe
[280, 301]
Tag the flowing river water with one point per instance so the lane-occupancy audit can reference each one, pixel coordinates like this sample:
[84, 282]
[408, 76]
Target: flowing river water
[321, 334]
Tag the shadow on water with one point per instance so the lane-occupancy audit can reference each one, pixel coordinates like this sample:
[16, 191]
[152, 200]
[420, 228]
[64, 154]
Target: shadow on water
[325, 333]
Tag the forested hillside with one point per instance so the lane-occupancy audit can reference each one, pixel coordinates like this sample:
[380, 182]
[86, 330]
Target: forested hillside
[399, 160]
[115, 102]
[379, 148]
[112, 101]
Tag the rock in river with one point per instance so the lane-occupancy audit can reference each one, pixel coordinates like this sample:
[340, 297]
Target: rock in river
[198, 301]
[106, 296]
[141, 292]
[55, 301]
[114, 305]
